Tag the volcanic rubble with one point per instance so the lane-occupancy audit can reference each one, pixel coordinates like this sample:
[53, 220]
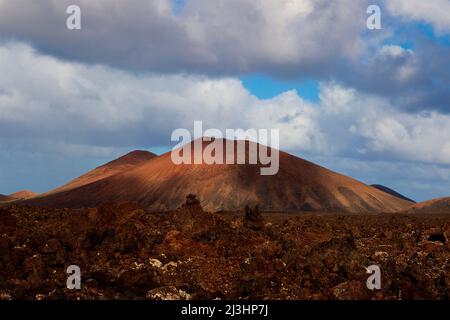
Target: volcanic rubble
[125, 252]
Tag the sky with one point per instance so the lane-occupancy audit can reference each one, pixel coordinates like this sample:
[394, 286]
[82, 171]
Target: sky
[371, 104]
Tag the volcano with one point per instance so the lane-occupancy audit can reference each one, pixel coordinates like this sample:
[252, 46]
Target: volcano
[158, 184]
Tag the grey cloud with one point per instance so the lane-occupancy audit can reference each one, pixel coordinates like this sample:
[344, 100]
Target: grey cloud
[435, 12]
[325, 40]
[215, 37]
[48, 99]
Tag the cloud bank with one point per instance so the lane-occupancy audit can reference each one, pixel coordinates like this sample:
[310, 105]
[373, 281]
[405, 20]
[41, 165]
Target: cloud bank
[48, 99]
[436, 12]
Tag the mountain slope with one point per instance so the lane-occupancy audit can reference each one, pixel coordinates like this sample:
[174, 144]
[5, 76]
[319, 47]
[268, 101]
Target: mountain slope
[122, 164]
[20, 195]
[392, 192]
[441, 205]
[161, 185]
[4, 198]
[23, 194]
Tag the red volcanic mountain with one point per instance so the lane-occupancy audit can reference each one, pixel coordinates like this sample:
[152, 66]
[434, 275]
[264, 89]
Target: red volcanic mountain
[20, 195]
[158, 184]
[122, 164]
[23, 194]
[441, 205]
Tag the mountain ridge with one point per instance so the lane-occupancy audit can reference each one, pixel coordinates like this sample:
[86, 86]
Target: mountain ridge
[160, 185]
[121, 164]
[438, 205]
[392, 192]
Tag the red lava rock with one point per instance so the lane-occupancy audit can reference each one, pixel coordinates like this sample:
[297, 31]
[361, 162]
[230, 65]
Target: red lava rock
[253, 218]
[5, 245]
[191, 200]
[34, 264]
[351, 290]
[139, 280]
[388, 234]
[279, 265]
[430, 247]
[176, 241]
[52, 246]
[191, 219]
[125, 252]
[167, 293]
[8, 222]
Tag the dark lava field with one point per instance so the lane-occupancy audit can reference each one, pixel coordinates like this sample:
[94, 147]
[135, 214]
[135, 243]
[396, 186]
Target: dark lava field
[125, 252]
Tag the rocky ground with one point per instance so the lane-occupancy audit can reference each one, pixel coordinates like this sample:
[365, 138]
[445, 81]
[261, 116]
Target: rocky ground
[125, 252]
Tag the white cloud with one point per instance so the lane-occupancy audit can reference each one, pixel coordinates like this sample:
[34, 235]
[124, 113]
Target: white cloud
[394, 51]
[288, 39]
[397, 66]
[378, 127]
[422, 137]
[60, 103]
[47, 99]
[434, 12]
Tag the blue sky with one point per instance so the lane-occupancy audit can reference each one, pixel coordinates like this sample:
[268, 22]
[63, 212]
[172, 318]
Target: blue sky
[442, 39]
[266, 87]
[177, 6]
[372, 104]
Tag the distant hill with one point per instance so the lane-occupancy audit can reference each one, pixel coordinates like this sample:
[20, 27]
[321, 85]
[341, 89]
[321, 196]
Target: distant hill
[441, 205]
[122, 164]
[23, 194]
[392, 192]
[20, 195]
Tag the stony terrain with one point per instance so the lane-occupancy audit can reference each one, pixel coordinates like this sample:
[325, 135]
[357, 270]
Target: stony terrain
[125, 252]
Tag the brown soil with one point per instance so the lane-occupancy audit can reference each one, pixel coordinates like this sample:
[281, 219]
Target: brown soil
[127, 252]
